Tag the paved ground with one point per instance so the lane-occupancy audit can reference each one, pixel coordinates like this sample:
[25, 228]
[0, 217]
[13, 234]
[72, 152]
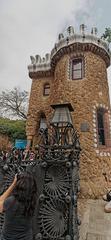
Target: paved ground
[96, 224]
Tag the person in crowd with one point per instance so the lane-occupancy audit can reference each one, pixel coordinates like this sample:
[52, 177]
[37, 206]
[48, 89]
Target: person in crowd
[4, 155]
[18, 204]
[107, 196]
[31, 156]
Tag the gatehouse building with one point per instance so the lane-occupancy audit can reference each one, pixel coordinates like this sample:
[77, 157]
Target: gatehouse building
[76, 72]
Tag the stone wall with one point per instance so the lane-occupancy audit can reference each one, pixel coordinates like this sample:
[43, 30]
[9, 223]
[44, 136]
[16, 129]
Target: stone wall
[38, 104]
[85, 95]
[5, 143]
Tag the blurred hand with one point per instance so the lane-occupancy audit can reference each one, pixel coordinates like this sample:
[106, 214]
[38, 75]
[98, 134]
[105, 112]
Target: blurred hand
[15, 179]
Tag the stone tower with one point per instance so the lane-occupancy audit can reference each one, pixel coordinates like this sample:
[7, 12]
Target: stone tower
[76, 72]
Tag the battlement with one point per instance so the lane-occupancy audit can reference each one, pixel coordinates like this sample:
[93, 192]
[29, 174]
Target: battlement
[68, 42]
[70, 37]
[39, 64]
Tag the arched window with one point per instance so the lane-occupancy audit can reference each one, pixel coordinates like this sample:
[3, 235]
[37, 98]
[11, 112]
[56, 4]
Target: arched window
[101, 127]
[77, 68]
[46, 89]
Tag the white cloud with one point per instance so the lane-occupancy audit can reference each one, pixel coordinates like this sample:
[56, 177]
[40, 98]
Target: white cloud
[30, 27]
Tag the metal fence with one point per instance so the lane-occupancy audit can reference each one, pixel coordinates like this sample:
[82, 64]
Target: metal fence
[56, 170]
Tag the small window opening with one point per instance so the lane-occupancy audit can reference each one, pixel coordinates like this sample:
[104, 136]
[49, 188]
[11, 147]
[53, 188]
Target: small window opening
[77, 69]
[101, 129]
[46, 89]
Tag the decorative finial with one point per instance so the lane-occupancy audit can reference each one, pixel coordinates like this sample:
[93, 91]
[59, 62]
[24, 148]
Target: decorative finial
[38, 58]
[55, 46]
[43, 59]
[47, 57]
[70, 31]
[82, 28]
[60, 36]
[32, 59]
[94, 31]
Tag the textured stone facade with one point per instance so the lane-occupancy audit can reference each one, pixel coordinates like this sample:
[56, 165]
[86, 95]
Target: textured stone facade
[5, 143]
[86, 96]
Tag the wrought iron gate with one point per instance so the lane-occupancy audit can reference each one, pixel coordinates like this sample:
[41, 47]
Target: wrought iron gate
[57, 173]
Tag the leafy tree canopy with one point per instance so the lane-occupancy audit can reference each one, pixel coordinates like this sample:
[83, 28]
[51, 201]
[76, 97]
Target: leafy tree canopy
[107, 34]
[14, 129]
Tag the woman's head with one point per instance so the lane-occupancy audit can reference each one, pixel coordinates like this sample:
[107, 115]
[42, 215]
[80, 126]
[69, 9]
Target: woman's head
[26, 191]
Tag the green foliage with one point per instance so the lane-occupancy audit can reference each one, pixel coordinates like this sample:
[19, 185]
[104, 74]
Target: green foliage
[14, 129]
[107, 35]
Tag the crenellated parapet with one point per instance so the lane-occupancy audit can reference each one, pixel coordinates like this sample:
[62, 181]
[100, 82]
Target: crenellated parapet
[68, 42]
[39, 64]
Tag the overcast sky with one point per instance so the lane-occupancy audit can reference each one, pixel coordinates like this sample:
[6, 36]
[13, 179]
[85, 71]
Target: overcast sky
[30, 27]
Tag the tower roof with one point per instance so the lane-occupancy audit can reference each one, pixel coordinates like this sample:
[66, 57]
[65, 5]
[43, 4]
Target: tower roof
[68, 42]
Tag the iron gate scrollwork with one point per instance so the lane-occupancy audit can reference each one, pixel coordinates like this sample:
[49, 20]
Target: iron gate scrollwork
[57, 215]
[56, 169]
